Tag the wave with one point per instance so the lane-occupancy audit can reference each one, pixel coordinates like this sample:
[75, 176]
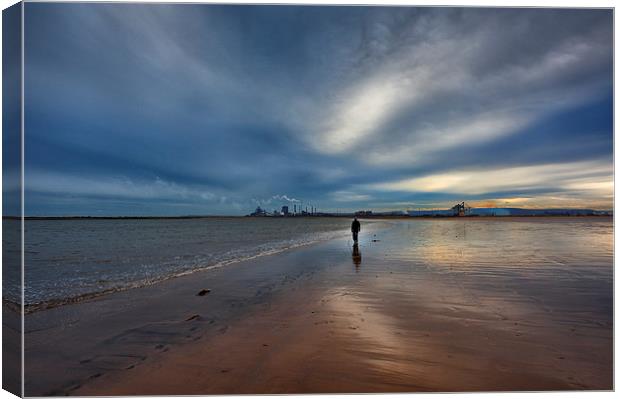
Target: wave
[256, 252]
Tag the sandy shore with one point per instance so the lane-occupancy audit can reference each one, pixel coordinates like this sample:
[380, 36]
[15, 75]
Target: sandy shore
[317, 319]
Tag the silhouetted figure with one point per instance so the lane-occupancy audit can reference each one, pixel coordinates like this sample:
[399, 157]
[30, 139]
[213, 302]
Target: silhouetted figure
[357, 256]
[355, 228]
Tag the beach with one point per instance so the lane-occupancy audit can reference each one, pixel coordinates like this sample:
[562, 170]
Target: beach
[447, 305]
[182, 185]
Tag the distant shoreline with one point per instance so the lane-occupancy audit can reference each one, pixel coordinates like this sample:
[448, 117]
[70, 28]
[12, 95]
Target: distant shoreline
[295, 217]
[115, 217]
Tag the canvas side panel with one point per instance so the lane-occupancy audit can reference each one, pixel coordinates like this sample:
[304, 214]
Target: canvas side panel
[12, 199]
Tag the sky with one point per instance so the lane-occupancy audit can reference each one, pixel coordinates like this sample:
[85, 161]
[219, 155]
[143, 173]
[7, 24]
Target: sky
[154, 109]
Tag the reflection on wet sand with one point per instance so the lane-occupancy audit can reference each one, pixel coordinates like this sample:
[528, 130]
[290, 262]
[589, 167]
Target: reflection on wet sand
[357, 256]
[513, 305]
[527, 305]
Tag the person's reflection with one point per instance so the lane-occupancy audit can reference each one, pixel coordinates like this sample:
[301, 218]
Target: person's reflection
[357, 256]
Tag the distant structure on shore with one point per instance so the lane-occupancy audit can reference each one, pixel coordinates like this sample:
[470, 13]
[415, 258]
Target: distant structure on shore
[461, 209]
[285, 212]
[465, 210]
[258, 212]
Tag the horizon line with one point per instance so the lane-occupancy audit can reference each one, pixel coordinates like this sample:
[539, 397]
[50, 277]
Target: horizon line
[319, 214]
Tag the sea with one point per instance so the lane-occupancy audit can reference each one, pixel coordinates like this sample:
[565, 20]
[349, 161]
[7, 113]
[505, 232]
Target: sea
[71, 259]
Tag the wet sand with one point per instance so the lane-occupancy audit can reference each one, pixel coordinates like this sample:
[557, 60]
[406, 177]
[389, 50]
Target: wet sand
[412, 311]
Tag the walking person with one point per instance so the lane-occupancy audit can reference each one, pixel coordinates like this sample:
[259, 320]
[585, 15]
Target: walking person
[355, 228]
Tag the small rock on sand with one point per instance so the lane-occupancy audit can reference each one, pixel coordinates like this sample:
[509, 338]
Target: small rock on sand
[203, 292]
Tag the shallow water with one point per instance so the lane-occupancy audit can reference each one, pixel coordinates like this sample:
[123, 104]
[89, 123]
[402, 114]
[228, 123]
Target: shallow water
[526, 302]
[561, 269]
[68, 258]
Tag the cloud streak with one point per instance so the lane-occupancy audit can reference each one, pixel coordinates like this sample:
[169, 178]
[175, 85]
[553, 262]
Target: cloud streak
[429, 96]
[594, 178]
[335, 106]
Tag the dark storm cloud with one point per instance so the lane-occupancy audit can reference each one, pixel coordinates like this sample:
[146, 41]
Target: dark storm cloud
[211, 109]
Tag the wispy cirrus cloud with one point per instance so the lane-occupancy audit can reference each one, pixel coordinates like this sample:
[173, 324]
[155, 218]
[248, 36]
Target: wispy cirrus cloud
[349, 196]
[592, 177]
[330, 105]
[114, 187]
[440, 89]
